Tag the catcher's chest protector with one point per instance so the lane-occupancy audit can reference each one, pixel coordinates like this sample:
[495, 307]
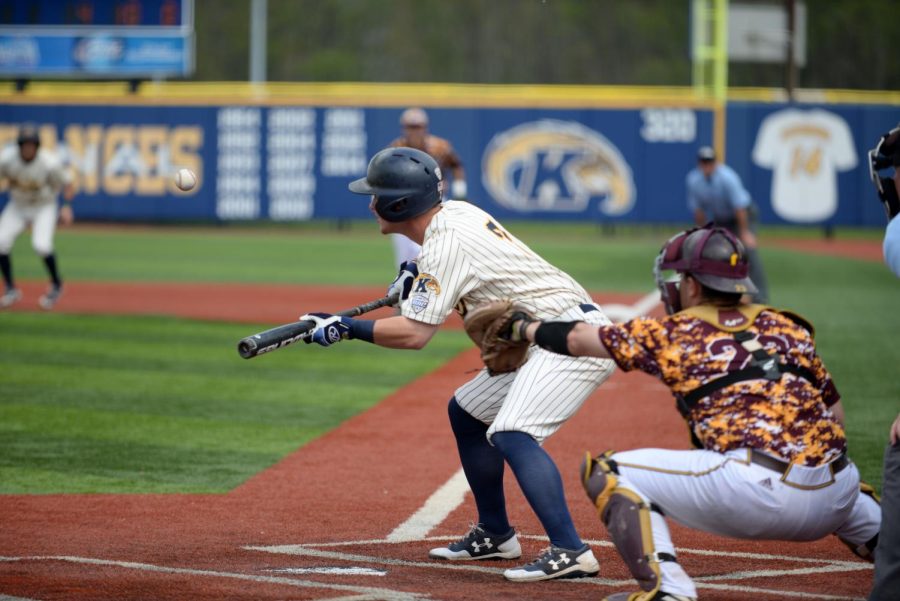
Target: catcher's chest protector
[763, 364]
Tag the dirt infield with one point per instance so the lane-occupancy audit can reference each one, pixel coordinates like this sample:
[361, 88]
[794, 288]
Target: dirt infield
[351, 515]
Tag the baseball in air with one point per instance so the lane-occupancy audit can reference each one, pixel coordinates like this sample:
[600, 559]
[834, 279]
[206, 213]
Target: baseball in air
[185, 179]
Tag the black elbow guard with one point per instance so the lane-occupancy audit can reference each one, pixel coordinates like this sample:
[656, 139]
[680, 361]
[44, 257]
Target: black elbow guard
[552, 335]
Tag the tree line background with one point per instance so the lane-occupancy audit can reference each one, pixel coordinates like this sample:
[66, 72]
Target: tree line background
[603, 42]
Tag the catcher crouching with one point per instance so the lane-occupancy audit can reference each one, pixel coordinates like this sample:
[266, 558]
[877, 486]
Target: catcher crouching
[771, 459]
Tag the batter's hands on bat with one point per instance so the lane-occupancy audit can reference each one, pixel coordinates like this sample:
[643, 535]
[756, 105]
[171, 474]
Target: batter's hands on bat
[402, 284]
[329, 328]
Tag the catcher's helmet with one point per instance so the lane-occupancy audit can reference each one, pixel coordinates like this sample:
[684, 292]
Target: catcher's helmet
[28, 133]
[711, 255]
[404, 181]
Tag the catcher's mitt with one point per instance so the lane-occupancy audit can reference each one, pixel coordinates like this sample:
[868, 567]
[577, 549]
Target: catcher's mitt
[485, 325]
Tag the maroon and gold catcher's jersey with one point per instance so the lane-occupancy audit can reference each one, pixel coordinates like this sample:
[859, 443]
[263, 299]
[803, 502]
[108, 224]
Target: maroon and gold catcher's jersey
[788, 418]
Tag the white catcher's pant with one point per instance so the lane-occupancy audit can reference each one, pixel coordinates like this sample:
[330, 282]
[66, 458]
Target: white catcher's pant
[725, 494]
[541, 395]
[43, 219]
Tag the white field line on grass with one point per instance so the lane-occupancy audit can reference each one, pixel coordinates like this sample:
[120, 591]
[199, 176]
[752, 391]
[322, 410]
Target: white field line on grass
[361, 592]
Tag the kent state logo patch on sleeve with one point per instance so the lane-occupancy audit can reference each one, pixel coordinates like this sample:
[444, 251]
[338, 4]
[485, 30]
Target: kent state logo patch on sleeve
[425, 287]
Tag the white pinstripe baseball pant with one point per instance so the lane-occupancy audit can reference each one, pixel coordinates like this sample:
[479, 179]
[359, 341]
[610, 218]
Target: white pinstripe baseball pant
[541, 395]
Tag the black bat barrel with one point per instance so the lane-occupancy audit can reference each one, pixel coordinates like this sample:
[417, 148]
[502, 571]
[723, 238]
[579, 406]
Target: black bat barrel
[274, 339]
[289, 333]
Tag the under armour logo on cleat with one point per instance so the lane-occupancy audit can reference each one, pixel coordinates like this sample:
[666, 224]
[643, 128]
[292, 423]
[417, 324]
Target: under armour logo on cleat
[563, 559]
[767, 483]
[479, 546]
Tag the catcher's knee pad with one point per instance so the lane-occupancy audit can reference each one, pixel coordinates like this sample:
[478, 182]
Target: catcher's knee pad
[867, 489]
[627, 519]
[599, 476]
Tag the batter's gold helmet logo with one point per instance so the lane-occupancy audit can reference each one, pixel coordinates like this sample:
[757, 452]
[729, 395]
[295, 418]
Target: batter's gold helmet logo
[557, 166]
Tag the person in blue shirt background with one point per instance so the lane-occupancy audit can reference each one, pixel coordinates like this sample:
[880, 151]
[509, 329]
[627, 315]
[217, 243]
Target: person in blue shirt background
[715, 193]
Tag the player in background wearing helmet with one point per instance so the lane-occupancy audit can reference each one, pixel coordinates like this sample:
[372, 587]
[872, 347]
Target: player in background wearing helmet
[469, 259]
[771, 459]
[414, 124]
[35, 178]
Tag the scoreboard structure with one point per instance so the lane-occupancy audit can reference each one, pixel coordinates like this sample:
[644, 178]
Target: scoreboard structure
[96, 39]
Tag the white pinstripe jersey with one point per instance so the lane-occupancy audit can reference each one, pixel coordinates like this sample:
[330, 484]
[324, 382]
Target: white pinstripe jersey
[35, 182]
[468, 259]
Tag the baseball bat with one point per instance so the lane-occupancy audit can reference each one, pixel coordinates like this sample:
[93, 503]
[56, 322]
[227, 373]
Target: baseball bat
[289, 333]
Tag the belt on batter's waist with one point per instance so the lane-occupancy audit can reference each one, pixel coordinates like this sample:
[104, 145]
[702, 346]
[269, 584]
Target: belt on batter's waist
[588, 307]
[777, 465]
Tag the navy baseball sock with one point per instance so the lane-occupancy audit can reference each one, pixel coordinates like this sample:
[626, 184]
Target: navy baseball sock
[50, 263]
[483, 466]
[539, 479]
[6, 269]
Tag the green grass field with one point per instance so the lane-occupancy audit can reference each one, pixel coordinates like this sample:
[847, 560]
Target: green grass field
[129, 404]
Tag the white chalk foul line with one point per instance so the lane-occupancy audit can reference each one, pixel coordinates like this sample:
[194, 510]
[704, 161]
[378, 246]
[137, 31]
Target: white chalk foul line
[367, 592]
[621, 313]
[309, 551]
[435, 510]
[701, 582]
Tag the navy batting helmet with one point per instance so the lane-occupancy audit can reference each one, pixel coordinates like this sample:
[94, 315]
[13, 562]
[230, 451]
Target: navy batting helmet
[404, 181]
[711, 255]
[28, 133]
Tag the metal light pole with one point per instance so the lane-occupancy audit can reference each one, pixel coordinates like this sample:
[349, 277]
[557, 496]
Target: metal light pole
[258, 40]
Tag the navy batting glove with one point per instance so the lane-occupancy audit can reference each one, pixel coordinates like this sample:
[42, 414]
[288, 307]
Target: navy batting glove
[402, 284]
[329, 328]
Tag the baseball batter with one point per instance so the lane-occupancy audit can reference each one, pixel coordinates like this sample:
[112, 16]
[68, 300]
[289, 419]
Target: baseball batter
[761, 407]
[469, 259]
[35, 178]
[414, 124]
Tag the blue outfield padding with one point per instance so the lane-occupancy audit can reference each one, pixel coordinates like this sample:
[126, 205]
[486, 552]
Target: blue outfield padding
[803, 164]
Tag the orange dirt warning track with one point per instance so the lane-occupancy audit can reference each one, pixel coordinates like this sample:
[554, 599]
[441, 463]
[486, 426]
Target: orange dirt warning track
[351, 516]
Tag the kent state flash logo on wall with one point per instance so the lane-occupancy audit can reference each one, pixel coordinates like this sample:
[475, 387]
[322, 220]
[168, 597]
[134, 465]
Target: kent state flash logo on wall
[557, 166]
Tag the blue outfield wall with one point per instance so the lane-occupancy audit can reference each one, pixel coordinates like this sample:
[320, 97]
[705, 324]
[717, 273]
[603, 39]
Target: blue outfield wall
[803, 164]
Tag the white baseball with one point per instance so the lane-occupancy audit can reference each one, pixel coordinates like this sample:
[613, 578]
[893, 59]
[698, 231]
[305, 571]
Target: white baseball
[185, 179]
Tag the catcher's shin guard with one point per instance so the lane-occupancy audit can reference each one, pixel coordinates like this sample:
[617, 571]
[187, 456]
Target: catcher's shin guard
[627, 519]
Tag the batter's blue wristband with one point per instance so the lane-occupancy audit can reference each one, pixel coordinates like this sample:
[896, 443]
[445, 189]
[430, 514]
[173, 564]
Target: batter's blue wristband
[363, 329]
[552, 335]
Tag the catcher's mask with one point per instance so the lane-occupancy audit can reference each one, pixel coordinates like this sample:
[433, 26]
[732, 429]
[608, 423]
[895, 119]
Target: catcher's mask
[404, 181]
[886, 154]
[711, 255]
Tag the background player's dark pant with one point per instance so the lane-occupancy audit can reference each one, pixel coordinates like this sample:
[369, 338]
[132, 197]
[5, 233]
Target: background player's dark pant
[887, 554]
